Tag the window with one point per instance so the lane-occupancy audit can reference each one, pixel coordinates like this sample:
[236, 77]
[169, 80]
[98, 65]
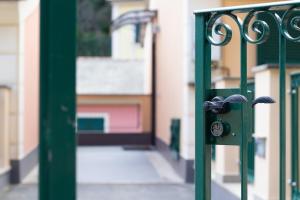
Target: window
[91, 123]
[137, 37]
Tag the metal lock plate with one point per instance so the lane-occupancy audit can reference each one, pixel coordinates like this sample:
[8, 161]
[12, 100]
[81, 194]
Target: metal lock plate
[217, 129]
[225, 129]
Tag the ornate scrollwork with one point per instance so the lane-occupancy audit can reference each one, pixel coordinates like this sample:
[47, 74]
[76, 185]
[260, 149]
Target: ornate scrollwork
[220, 29]
[260, 27]
[289, 20]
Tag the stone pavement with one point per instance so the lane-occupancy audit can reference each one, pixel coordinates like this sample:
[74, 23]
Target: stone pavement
[165, 191]
[114, 165]
[114, 192]
[112, 173]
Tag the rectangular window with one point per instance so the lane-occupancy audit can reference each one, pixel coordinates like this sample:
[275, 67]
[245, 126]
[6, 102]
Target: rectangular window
[137, 37]
[91, 124]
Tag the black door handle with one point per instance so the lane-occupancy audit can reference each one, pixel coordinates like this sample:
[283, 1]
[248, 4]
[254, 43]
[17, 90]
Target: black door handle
[263, 99]
[219, 105]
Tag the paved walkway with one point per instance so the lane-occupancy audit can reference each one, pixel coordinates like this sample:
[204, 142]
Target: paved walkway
[108, 173]
[114, 192]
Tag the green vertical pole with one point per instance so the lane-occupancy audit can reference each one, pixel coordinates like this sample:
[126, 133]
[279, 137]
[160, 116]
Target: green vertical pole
[282, 114]
[295, 140]
[57, 100]
[244, 121]
[203, 84]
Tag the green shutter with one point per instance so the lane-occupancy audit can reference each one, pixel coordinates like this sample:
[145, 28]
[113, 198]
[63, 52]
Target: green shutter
[268, 53]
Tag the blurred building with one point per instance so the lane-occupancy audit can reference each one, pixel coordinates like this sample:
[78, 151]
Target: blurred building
[113, 105]
[19, 80]
[126, 41]
[145, 90]
[114, 99]
[168, 45]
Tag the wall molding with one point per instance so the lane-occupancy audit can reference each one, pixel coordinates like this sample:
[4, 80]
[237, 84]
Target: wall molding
[21, 168]
[93, 139]
[228, 178]
[183, 167]
[4, 180]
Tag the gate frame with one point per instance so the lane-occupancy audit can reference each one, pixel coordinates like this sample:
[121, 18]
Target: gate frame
[57, 156]
[206, 24]
[295, 86]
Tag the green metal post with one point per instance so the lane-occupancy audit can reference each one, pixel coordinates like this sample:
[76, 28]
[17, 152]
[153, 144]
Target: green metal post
[282, 114]
[57, 100]
[203, 84]
[295, 140]
[244, 142]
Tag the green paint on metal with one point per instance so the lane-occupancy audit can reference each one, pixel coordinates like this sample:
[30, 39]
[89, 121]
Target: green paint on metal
[247, 8]
[282, 116]
[244, 117]
[295, 140]
[271, 45]
[295, 161]
[235, 134]
[57, 101]
[203, 84]
[208, 24]
[251, 150]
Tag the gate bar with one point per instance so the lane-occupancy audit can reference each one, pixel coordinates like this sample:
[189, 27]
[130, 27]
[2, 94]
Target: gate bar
[57, 175]
[294, 135]
[282, 115]
[244, 143]
[203, 84]
[246, 8]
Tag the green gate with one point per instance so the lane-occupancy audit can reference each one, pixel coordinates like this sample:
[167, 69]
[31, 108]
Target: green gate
[295, 165]
[222, 115]
[57, 100]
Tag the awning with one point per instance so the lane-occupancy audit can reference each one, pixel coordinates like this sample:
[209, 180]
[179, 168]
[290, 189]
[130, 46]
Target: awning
[133, 17]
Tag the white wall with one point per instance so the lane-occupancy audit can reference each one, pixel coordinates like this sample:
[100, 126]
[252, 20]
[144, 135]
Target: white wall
[188, 63]
[175, 66]
[266, 183]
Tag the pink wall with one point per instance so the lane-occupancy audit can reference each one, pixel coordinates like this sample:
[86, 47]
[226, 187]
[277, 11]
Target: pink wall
[31, 81]
[122, 118]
